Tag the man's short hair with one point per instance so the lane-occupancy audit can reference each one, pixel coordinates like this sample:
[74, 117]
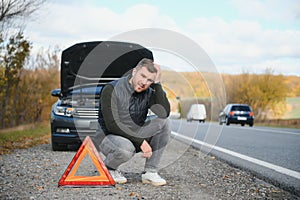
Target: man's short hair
[148, 63]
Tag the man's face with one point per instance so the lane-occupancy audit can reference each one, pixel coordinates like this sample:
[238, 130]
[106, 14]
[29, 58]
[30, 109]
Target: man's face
[142, 79]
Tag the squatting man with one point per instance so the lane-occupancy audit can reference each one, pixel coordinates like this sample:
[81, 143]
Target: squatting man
[124, 124]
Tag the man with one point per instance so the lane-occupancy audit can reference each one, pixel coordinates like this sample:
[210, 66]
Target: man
[123, 118]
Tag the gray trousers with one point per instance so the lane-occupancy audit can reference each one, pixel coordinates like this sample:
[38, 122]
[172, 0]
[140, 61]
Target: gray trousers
[118, 149]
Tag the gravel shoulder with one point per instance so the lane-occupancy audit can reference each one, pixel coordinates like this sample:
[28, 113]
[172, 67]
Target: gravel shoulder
[34, 174]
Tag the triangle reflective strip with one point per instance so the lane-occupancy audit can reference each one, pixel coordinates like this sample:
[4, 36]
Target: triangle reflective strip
[70, 179]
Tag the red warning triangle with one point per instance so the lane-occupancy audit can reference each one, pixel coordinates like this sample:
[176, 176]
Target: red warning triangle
[70, 179]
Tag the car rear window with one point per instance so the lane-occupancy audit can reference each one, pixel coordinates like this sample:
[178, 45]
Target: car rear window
[240, 108]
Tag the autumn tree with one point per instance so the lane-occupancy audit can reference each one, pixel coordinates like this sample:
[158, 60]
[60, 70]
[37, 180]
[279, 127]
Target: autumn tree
[265, 93]
[42, 76]
[14, 52]
[274, 92]
[13, 57]
[29, 100]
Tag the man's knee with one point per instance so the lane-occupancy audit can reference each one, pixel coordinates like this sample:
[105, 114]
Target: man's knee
[124, 154]
[120, 147]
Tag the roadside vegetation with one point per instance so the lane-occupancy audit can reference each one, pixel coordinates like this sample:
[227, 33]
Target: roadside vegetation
[24, 136]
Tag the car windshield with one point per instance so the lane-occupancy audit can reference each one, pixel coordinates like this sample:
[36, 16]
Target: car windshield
[240, 108]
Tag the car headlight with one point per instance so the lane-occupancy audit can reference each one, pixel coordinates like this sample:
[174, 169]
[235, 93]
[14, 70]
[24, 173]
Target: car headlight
[64, 111]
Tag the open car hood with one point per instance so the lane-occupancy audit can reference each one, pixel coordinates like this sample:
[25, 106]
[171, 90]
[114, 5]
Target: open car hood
[91, 63]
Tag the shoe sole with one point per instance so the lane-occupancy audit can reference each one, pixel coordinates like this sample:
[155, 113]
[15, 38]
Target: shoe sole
[145, 181]
[121, 182]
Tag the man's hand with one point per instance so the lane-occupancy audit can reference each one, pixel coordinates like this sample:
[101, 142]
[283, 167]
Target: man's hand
[158, 74]
[146, 149]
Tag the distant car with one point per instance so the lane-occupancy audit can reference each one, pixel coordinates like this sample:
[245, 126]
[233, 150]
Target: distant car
[237, 114]
[85, 68]
[197, 112]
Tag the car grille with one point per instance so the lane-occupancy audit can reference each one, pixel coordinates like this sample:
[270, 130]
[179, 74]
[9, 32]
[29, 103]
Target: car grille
[86, 113]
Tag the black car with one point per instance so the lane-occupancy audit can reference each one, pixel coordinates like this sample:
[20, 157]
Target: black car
[237, 114]
[85, 69]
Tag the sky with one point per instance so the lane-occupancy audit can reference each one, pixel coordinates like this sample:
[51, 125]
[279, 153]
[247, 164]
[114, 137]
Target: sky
[237, 35]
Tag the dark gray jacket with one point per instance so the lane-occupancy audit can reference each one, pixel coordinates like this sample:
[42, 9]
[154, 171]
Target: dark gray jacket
[123, 111]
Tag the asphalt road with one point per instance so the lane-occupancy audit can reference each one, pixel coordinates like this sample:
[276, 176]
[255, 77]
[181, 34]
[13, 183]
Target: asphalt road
[270, 153]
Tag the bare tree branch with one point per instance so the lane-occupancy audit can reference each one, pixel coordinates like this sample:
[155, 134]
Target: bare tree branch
[11, 11]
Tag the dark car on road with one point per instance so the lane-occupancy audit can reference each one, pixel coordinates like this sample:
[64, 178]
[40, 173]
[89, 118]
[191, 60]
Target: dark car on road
[85, 69]
[237, 114]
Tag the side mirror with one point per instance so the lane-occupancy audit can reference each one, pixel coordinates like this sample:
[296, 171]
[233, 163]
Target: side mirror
[56, 93]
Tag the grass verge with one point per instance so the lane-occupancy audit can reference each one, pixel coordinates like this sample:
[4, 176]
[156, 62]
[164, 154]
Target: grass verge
[24, 137]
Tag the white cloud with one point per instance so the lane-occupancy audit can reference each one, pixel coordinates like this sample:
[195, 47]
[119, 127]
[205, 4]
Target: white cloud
[282, 11]
[65, 24]
[241, 44]
[234, 46]
[280, 66]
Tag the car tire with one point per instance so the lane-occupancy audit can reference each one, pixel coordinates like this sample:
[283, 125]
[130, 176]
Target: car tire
[242, 124]
[251, 124]
[227, 121]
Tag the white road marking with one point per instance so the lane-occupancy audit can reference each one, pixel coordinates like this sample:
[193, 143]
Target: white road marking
[277, 168]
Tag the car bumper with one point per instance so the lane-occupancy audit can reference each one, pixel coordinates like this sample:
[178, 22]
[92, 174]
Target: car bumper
[71, 131]
[241, 120]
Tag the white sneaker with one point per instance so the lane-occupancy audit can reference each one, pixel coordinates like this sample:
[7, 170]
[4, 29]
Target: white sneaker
[153, 178]
[117, 176]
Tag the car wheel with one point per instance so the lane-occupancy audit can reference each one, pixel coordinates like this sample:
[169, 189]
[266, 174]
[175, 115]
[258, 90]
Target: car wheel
[243, 124]
[251, 124]
[227, 121]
